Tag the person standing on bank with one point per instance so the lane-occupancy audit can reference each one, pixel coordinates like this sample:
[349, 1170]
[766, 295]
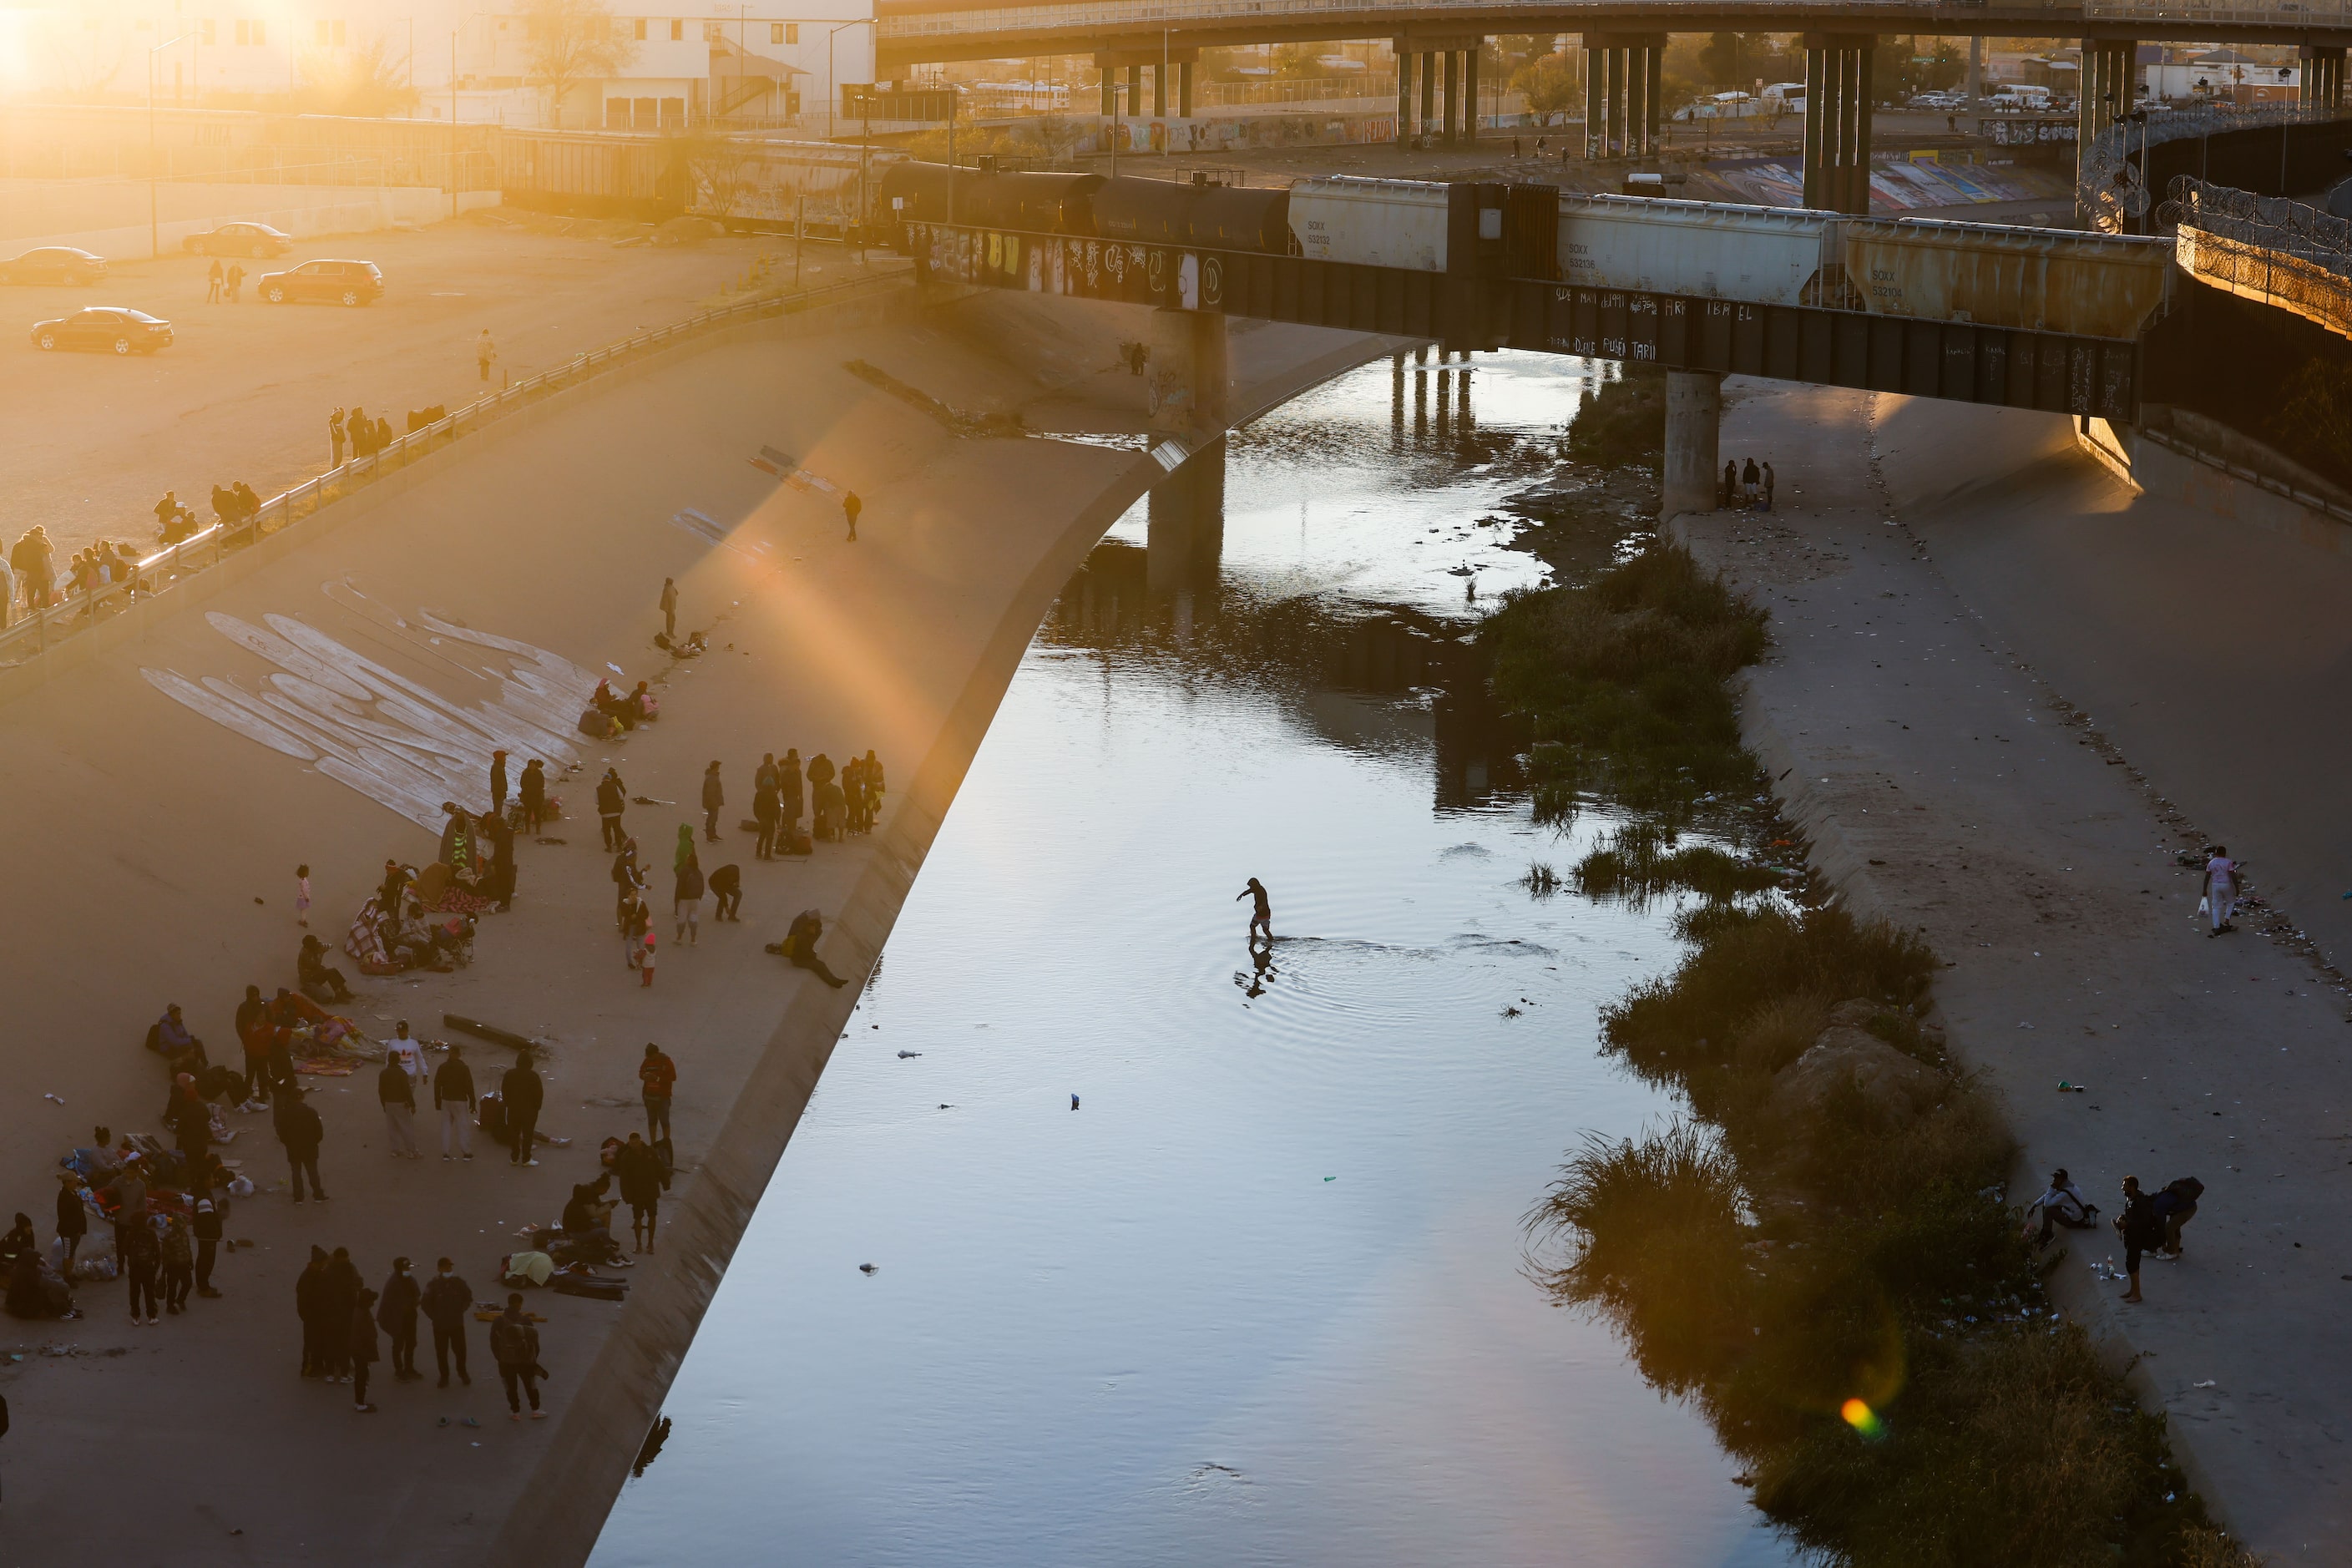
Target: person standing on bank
[532, 790]
[453, 1098]
[498, 783]
[73, 1219]
[714, 796]
[612, 799]
[669, 608]
[850, 507]
[514, 1345]
[446, 1298]
[524, 1094]
[334, 434]
[640, 1173]
[206, 1225]
[363, 1350]
[397, 1091]
[789, 790]
[486, 353]
[1768, 487]
[2221, 890]
[659, 1074]
[396, 1313]
[767, 810]
[213, 283]
[2142, 1230]
[299, 1128]
[687, 901]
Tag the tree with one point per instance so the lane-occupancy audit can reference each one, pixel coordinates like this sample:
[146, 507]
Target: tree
[364, 80]
[571, 42]
[1549, 86]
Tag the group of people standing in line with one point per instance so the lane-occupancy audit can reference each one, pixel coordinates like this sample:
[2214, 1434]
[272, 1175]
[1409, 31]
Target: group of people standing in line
[1746, 486]
[223, 285]
[342, 1318]
[364, 436]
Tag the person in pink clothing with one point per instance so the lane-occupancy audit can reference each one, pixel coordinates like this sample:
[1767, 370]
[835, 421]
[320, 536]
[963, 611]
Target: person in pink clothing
[646, 962]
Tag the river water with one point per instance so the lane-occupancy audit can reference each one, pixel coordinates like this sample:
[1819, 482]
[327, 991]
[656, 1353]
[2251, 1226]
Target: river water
[1259, 1298]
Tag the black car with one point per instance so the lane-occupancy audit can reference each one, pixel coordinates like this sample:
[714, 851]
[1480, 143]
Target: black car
[337, 282]
[115, 327]
[54, 264]
[239, 239]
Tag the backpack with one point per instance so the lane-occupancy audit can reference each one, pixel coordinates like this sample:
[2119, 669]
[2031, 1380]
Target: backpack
[794, 841]
[155, 1037]
[2189, 1187]
[596, 726]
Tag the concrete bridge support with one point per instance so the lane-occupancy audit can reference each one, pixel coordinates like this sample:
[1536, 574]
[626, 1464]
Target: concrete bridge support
[1453, 93]
[1191, 371]
[2323, 76]
[1693, 424]
[1428, 89]
[1470, 90]
[1404, 63]
[1837, 120]
[1622, 94]
[1186, 537]
[2109, 65]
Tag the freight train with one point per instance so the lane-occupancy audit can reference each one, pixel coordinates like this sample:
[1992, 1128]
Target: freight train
[1034, 229]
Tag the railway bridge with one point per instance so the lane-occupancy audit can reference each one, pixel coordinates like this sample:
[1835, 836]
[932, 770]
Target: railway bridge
[1981, 314]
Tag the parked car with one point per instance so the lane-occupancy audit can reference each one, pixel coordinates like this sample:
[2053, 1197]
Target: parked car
[239, 239]
[115, 327]
[338, 282]
[54, 264]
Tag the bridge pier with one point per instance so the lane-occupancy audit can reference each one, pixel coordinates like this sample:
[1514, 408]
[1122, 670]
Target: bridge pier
[1184, 89]
[2323, 76]
[1185, 538]
[1693, 424]
[1622, 94]
[1404, 94]
[1428, 88]
[1453, 93]
[1837, 120]
[1470, 90]
[1190, 373]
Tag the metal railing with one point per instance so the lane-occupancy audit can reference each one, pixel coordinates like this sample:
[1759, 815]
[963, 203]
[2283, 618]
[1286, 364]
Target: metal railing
[2283, 252]
[2309, 14]
[1148, 13]
[33, 632]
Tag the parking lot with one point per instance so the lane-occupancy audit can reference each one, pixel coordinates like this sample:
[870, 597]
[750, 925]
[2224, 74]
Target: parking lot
[244, 392]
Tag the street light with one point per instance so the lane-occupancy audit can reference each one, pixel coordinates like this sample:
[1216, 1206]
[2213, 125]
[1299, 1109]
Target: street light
[829, 88]
[154, 229]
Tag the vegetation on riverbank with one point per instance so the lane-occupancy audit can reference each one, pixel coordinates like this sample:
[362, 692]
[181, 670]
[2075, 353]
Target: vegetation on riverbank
[1818, 1256]
[1622, 423]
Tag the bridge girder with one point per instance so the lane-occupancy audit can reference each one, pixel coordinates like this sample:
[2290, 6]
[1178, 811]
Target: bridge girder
[896, 51]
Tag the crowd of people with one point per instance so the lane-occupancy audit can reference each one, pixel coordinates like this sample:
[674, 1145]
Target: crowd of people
[165, 1199]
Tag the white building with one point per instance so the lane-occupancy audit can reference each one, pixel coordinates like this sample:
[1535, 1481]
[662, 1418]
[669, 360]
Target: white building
[781, 62]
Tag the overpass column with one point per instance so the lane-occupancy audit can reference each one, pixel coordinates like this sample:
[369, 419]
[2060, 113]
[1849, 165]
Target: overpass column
[1837, 120]
[2323, 76]
[1655, 95]
[1470, 90]
[1135, 90]
[1404, 95]
[1184, 89]
[1637, 100]
[1190, 372]
[1591, 99]
[1159, 92]
[1694, 421]
[1452, 93]
[1428, 89]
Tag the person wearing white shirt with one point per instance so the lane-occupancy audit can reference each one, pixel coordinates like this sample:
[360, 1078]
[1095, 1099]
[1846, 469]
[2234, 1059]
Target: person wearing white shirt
[2220, 889]
[408, 1053]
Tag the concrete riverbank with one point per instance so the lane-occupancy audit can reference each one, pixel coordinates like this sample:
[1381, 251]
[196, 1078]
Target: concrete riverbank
[165, 833]
[2006, 693]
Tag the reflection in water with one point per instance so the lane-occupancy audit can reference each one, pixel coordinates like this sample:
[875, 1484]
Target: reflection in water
[1258, 1299]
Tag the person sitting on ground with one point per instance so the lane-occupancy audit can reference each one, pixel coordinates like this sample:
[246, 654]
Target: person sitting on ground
[800, 946]
[20, 1240]
[248, 504]
[322, 981]
[36, 1292]
[588, 1220]
[2063, 1205]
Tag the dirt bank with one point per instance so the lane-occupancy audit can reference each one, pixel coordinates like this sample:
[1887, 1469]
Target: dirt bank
[2005, 695]
[167, 839]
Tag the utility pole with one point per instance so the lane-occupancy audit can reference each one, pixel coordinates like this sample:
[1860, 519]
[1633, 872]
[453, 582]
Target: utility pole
[453, 122]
